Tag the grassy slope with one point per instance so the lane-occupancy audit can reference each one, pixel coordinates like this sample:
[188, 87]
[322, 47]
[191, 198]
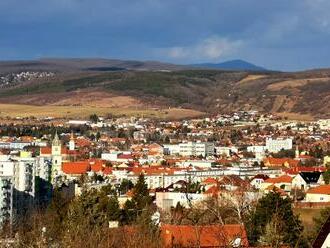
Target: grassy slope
[17, 110]
[205, 90]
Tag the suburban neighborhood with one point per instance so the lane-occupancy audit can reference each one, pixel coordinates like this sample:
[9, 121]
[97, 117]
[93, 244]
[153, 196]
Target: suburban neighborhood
[233, 161]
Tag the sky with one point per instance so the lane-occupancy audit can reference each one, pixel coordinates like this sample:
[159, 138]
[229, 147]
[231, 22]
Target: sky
[277, 34]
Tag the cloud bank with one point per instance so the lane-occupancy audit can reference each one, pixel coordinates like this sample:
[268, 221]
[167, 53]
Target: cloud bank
[277, 34]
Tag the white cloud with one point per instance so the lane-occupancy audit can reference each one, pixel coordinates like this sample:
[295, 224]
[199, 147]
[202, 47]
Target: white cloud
[210, 49]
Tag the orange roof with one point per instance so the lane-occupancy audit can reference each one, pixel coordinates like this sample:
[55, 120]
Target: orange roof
[27, 138]
[275, 189]
[210, 180]
[233, 180]
[281, 161]
[107, 170]
[305, 157]
[322, 189]
[281, 179]
[75, 168]
[214, 190]
[298, 169]
[152, 153]
[204, 236]
[48, 150]
[81, 142]
[99, 165]
[45, 150]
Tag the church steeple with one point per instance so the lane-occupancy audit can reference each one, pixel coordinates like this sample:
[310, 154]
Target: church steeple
[71, 142]
[56, 154]
[56, 140]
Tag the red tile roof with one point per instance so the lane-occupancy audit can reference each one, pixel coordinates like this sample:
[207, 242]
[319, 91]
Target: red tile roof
[203, 236]
[281, 179]
[210, 180]
[75, 168]
[48, 150]
[214, 190]
[82, 142]
[125, 156]
[233, 180]
[281, 161]
[298, 169]
[322, 189]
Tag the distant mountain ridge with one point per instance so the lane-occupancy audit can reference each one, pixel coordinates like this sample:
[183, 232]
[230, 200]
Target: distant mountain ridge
[85, 64]
[237, 64]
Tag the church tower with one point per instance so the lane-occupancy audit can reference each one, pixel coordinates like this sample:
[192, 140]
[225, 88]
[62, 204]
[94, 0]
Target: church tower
[71, 143]
[56, 154]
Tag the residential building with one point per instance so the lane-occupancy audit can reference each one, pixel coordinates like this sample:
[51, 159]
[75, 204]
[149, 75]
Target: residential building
[276, 145]
[318, 194]
[196, 149]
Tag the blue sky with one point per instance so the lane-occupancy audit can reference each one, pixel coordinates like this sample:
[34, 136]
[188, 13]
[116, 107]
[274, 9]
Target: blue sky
[277, 34]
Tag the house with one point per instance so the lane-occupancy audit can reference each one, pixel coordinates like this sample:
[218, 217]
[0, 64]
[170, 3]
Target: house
[318, 194]
[273, 189]
[305, 180]
[281, 162]
[209, 183]
[204, 236]
[75, 169]
[167, 200]
[233, 182]
[257, 180]
[282, 182]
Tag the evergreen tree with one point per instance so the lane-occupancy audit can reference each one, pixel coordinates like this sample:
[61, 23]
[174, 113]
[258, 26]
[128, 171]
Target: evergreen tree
[113, 210]
[268, 206]
[125, 186]
[94, 118]
[141, 197]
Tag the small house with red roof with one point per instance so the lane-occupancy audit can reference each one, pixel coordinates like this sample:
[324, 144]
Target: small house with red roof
[282, 182]
[209, 183]
[281, 162]
[318, 194]
[75, 169]
[258, 180]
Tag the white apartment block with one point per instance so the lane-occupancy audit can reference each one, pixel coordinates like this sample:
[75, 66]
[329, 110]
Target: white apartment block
[224, 150]
[167, 200]
[171, 149]
[276, 145]
[22, 172]
[196, 149]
